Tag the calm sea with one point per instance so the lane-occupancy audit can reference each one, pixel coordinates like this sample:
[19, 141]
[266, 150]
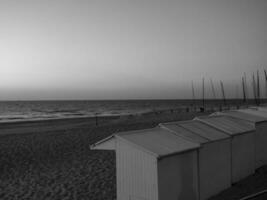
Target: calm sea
[39, 110]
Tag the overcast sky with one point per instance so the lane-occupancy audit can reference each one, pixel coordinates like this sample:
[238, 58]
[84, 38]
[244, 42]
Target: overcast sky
[85, 49]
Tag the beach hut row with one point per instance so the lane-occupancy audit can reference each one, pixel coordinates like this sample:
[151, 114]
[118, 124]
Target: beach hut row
[189, 160]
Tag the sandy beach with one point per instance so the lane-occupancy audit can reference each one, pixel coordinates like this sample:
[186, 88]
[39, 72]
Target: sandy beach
[52, 160]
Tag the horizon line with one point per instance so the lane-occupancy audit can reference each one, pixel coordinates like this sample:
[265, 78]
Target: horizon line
[132, 99]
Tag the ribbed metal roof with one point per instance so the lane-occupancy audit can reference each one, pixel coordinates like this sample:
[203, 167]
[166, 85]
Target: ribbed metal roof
[182, 132]
[158, 141]
[204, 130]
[228, 124]
[196, 131]
[260, 108]
[256, 112]
[244, 116]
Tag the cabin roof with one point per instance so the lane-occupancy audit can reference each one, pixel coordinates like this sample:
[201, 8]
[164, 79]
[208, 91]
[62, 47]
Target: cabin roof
[244, 116]
[103, 140]
[196, 131]
[256, 112]
[158, 141]
[228, 124]
[182, 132]
[259, 108]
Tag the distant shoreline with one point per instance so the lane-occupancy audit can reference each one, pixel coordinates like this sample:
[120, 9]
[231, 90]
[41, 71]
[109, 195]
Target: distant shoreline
[186, 99]
[55, 119]
[65, 115]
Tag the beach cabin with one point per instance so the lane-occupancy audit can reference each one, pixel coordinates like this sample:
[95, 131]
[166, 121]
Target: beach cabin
[260, 123]
[214, 155]
[154, 164]
[259, 111]
[260, 108]
[242, 143]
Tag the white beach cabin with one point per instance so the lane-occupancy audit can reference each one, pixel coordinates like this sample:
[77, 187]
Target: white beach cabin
[260, 108]
[154, 164]
[214, 155]
[260, 123]
[242, 140]
[258, 111]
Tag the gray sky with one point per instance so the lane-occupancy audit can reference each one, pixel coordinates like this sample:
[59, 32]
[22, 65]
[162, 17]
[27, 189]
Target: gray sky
[60, 49]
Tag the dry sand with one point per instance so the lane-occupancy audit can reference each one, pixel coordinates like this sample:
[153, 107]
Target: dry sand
[52, 160]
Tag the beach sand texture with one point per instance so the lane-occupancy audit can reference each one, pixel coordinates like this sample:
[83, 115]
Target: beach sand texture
[52, 160]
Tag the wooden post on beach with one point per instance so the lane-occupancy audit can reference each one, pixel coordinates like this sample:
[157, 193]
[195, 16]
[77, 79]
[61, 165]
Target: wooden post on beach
[96, 119]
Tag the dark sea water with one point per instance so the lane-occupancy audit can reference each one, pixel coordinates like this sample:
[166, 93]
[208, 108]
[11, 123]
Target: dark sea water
[40, 110]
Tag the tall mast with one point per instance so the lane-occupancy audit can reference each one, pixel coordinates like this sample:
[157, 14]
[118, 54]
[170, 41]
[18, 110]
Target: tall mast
[246, 86]
[203, 93]
[223, 93]
[237, 96]
[254, 88]
[244, 90]
[193, 94]
[258, 87]
[212, 88]
[237, 92]
[265, 73]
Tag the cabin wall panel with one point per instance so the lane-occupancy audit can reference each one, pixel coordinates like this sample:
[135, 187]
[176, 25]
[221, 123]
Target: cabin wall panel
[136, 173]
[243, 156]
[178, 178]
[214, 168]
[261, 144]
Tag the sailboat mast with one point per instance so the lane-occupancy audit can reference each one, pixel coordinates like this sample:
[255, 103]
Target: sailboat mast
[203, 93]
[265, 73]
[258, 88]
[254, 88]
[212, 88]
[223, 93]
[244, 90]
[193, 95]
